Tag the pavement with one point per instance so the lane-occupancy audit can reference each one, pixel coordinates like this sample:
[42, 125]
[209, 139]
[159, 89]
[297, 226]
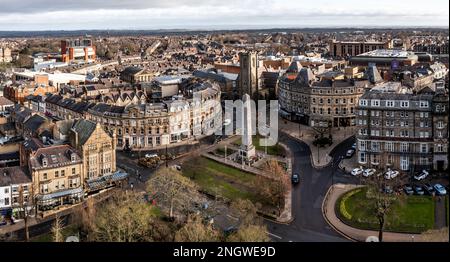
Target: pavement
[320, 156]
[353, 233]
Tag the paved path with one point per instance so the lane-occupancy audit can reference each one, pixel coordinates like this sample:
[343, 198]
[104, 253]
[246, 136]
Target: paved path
[320, 156]
[440, 216]
[353, 233]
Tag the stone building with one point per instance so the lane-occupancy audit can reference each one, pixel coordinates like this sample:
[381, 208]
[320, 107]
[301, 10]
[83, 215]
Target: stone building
[57, 175]
[248, 74]
[324, 101]
[96, 146]
[398, 128]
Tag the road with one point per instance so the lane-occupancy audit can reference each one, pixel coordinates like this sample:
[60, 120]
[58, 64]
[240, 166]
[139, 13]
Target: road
[308, 225]
[307, 197]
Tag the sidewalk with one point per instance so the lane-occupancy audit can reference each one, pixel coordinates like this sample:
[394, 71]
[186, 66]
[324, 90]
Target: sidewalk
[51, 214]
[319, 156]
[328, 210]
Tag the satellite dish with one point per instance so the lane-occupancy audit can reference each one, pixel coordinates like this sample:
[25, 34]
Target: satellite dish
[372, 239]
[72, 239]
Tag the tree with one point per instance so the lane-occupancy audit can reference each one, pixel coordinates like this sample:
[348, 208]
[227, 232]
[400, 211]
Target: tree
[195, 230]
[250, 233]
[245, 211]
[273, 189]
[381, 202]
[27, 207]
[57, 229]
[173, 191]
[126, 218]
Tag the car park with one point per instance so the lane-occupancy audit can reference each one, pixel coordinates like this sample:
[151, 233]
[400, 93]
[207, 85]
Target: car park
[422, 175]
[295, 178]
[408, 189]
[428, 189]
[390, 174]
[418, 190]
[368, 172]
[357, 171]
[440, 189]
[350, 153]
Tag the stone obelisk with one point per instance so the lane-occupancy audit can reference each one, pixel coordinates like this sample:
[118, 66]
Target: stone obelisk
[247, 150]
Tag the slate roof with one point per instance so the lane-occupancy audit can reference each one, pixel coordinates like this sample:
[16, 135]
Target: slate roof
[132, 70]
[34, 122]
[14, 175]
[57, 156]
[84, 128]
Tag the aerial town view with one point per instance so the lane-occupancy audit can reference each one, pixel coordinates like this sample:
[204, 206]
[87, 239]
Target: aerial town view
[236, 121]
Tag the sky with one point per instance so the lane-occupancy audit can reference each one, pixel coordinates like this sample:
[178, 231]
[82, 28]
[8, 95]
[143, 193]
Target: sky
[218, 14]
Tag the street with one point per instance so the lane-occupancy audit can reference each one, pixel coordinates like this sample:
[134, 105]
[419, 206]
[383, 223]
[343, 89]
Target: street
[309, 224]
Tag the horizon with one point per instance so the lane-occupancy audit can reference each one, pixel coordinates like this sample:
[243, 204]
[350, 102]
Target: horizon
[71, 15]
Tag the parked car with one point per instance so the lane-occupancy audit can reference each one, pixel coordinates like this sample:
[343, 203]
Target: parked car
[428, 189]
[357, 171]
[422, 175]
[151, 155]
[354, 146]
[350, 153]
[418, 190]
[408, 189]
[295, 178]
[390, 174]
[440, 189]
[368, 172]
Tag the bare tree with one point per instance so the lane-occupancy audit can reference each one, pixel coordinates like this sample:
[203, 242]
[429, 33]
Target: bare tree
[195, 230]
[27, 207]
[250, 233]
[57, 229]
[275, 188]
[381, 201]
[173, 191]
[126, 218]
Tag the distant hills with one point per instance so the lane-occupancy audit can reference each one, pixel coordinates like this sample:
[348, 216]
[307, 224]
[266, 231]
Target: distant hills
[70, 33]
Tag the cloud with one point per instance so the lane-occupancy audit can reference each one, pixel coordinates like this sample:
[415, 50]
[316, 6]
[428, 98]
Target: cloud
[207, 14]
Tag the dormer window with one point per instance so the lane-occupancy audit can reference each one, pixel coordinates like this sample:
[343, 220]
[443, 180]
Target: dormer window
[44, 162]
[73, 157]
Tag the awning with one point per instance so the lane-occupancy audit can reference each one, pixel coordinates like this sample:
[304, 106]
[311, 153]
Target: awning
[98, 183]
[74, 191]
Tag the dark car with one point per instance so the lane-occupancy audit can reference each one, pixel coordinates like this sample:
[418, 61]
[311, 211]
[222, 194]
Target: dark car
[428, 189]
[419, 190]
[295, 178]
[408, 189]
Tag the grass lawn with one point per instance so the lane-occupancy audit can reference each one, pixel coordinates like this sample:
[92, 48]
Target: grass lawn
[221, 151]
[271, 150]
[412, 214]
[215, 178]
[66, 231]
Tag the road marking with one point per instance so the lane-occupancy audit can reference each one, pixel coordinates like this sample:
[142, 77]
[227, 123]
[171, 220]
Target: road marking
[270, 234]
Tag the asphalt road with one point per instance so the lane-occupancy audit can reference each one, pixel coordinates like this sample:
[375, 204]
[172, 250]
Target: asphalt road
[309, 224]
